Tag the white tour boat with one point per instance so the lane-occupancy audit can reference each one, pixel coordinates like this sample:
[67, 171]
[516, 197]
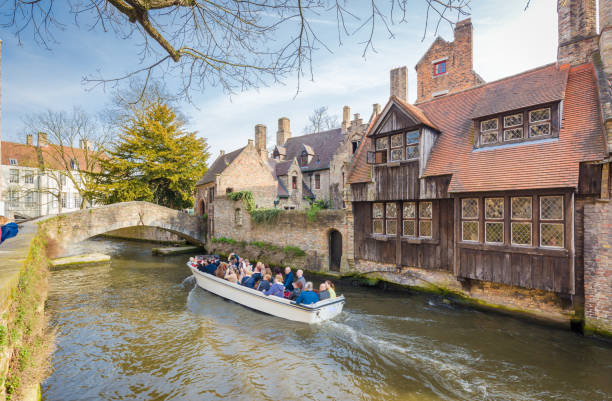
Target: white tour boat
[271, 305]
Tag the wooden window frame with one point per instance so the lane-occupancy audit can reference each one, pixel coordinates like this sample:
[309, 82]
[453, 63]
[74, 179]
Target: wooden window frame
[399, 147]
[502, 127]
[435, 68]
[414, 219]
[382, 218]
[494, 220]
[383, 156]
[542, 221]
[14, 176]
[317, 181]
[463, 219]
[422, 219]
[522, 220]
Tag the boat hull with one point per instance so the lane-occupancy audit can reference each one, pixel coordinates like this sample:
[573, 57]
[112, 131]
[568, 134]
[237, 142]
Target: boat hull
[271, 305]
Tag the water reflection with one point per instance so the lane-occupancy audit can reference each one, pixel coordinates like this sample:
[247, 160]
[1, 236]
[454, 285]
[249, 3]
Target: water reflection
[137, 330]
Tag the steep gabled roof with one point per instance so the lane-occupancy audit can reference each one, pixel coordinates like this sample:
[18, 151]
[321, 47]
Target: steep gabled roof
[359, 170]
[219, 165]
[549, 163]
[28, 156]
[323, 144]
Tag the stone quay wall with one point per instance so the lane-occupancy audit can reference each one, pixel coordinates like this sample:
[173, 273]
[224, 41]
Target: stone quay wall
[290, 228]
[598, 267]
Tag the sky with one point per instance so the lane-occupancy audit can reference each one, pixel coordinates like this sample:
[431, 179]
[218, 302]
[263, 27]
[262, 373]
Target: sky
[507, 40]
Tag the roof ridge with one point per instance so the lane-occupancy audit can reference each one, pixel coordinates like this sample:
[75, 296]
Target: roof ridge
[480, 86]
[314, 133]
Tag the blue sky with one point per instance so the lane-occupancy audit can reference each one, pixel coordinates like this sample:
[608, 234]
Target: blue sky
[507, 40]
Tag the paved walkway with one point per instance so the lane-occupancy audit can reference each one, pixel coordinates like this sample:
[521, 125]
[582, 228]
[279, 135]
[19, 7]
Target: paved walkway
[13, 253]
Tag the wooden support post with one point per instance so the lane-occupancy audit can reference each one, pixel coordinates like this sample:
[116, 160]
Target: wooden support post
[605, 181]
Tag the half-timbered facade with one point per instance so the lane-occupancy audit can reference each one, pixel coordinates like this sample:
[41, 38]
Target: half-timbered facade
[486, 183]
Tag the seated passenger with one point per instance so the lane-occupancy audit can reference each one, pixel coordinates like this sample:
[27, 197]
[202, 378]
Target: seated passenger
[255, 277]
[221, 270]
[245, 274]
[212, 267]
[288, 279]
[277, 288]
[331, 288]
[323, 293]
[300, 277]
[264, 285]
[297, 290]
[308, 296]
[231, 276]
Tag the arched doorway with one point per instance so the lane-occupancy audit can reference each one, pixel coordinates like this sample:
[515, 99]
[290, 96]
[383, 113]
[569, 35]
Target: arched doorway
[335, 250]
[201, 207]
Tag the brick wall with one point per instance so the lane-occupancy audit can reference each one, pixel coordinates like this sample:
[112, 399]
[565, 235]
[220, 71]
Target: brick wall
[578, 37]
[292, 228]
[458, 55]
[598, 266]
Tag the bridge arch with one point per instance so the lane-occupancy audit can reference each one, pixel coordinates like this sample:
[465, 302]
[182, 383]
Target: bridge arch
[70, 228]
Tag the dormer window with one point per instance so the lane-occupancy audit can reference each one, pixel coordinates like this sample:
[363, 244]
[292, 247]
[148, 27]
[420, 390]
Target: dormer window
[355, 145]
[518, 126]
[396, 147]
[13, 162]
[439, 68]
[304, 158]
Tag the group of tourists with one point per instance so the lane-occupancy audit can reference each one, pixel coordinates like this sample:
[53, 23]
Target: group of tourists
[261, 278]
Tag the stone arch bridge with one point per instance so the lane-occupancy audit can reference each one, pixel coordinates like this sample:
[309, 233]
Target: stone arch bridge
[74, 227]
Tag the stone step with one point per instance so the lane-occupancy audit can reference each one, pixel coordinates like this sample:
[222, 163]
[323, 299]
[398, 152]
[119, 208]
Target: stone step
[80, 260]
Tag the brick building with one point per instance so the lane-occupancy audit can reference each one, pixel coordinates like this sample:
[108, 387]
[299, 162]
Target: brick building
[498, 184]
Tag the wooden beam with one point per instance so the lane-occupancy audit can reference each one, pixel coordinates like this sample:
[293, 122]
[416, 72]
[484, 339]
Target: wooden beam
[605, 181]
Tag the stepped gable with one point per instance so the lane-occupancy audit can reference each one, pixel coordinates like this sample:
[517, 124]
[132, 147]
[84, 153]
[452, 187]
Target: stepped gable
[323, 144]
[549, 163]
[219, 165]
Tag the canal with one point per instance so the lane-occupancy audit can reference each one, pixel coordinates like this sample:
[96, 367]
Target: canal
[137, 330]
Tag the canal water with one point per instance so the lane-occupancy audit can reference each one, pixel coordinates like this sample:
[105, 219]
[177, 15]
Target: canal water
[137, 330]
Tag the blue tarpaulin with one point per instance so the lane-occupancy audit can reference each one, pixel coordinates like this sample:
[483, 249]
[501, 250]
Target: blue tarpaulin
[8, 231]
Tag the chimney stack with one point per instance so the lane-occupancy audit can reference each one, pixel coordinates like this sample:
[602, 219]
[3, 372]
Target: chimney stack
[284, 131]
[42, 139]
[376, 109]
[221, 152]
[577, 30]
[399, 83]
[260, 140]
[605, 39]
[29, 139]
[346, 117]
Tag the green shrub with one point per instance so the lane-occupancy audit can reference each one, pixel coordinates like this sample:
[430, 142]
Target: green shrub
[293, 250]
[24, 357]
[12, 385]
[204, 216]
[223, 240]
[268, 216]
[266, 246]
[245, 196]
[3, 336]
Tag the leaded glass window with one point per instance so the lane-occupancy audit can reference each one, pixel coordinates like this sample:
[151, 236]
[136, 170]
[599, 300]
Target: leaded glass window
[409, 219]
[396, 154]
[378, 210]
[552, 225]
[521, 215]
[391, 218]
[469, 208]
[551, 207]
[488, 125]
[489, 137]
[425, 216]
[536, 130]
[494, 220]
[396, 147]
[539, 115]
[396, 141]
[513, 134]
[382, 143]
[513, 120]
[377, 227]
[521, 233]
[412, 145]
[378, 215]
[469, 215]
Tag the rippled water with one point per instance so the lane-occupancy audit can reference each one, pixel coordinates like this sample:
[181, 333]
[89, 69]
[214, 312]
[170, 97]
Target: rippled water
[138, 330]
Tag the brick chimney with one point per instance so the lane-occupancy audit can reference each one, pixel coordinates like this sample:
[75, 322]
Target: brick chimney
[260, 140]
[29, 139]
[284, 131]
[399, 83]
[577, 31]
[346, 117]
[605, 39]
[447, 67]
[221, 152]
[42, 139]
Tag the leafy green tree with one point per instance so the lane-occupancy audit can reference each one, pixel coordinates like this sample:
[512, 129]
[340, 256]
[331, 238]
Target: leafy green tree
[154, 159]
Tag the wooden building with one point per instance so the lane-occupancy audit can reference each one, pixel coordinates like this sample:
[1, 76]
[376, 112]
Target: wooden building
[487, 182]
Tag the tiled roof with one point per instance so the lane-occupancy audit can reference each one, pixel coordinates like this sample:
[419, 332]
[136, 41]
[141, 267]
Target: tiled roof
[281, 190]
[218, 166]
[306, 192]
[323, 144]
[282, 167]
[416, 112]
[27, 155]
[359, 170]
[552, 163]
[543, 85]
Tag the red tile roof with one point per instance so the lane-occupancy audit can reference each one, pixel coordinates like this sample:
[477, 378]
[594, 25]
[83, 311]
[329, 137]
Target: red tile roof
[27, 155]
[359, 170]
[546, 164]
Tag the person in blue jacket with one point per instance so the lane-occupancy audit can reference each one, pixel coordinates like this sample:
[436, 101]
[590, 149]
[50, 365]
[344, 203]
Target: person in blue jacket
[277, 289]
[308, 296]
[8, 231]
[288, 279]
